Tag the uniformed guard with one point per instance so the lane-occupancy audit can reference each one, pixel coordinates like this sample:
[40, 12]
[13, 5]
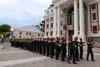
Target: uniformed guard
[76, 45]
[71, 51]
[81, 48]
[44, 47]
[89, 49]
[48, 47]
[34, 45]
[63, 49]
[57, 48]
[40, 43]
[52, 48]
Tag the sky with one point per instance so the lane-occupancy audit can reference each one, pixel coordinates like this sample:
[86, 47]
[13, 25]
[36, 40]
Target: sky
[18, 13]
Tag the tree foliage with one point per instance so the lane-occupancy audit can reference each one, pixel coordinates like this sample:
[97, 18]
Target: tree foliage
[42, 25]
[5, 28]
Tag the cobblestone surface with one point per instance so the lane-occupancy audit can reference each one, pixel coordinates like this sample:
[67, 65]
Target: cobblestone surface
[17, 54]
[57, 63]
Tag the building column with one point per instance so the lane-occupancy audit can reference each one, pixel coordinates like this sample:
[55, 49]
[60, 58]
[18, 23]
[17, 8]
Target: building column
[75, 19]
[55, 22]
[58, 20]
[82, 22]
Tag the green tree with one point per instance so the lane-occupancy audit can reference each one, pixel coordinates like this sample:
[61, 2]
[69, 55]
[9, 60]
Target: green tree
[42, 25]
[5, 28]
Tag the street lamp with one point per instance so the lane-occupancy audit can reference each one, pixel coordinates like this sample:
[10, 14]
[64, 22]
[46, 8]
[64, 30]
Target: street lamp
[11, 29]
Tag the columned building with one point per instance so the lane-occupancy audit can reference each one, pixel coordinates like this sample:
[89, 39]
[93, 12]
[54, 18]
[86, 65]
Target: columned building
[80, 17]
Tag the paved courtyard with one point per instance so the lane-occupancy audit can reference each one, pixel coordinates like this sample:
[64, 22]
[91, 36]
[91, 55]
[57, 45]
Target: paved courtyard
[16, 57]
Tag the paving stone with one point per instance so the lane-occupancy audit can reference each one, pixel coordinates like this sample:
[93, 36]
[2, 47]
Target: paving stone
[18, 54]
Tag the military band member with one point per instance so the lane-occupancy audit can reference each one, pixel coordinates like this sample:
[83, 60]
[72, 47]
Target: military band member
[44, 47]
[76, 46]
[71, 51]
[48, 47]
[52, 48]
[81, 48]
[89, 50]
[63, 49]
[57, 48]
[40, 46]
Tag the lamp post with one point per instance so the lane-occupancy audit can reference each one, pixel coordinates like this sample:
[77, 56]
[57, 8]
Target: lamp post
[11, 29]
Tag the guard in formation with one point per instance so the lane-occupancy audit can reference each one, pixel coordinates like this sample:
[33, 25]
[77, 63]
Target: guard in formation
[56, 48]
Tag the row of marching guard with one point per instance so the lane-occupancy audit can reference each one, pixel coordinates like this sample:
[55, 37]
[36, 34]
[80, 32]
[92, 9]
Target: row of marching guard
[54, 48]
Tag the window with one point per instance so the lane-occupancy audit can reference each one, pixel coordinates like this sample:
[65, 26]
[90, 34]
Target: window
[20, 36]
[51, 10]
[51, 25]
[93, 6]
[47, 20]
[30, 34]
[51, 33]
[95, 30]
[47, 33]
[93, 12]
[39, 35]
[20, 33]
[52, 18]
[94, 16]
[47, 25]
[61, 32]
[26, 33]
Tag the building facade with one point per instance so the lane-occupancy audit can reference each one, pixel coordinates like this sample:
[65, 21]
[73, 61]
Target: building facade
[81, 18]
[27, 32]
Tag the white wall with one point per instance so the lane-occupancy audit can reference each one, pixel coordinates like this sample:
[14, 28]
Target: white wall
[16, 34]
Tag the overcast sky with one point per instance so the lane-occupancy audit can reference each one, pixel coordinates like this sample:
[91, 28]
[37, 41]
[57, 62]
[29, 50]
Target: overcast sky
[18, 13]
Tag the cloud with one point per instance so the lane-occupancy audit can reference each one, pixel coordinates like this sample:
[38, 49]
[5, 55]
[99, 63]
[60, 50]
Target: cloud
[22, 12]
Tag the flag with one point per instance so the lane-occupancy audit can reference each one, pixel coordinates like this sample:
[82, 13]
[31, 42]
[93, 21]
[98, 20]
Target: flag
[72, 25]
[64, 27]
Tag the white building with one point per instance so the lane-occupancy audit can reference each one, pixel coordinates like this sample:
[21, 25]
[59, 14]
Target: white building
[27, 32]
[81, 18]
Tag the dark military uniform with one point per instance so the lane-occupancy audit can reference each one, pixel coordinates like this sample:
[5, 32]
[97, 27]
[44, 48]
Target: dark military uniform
[40, 46]
[89, 51]
[58, 49]
[76, 50]
[71, 52]
[47, 48]
[44, 47]
[63, 51]
[81, 50]
[52, 48]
